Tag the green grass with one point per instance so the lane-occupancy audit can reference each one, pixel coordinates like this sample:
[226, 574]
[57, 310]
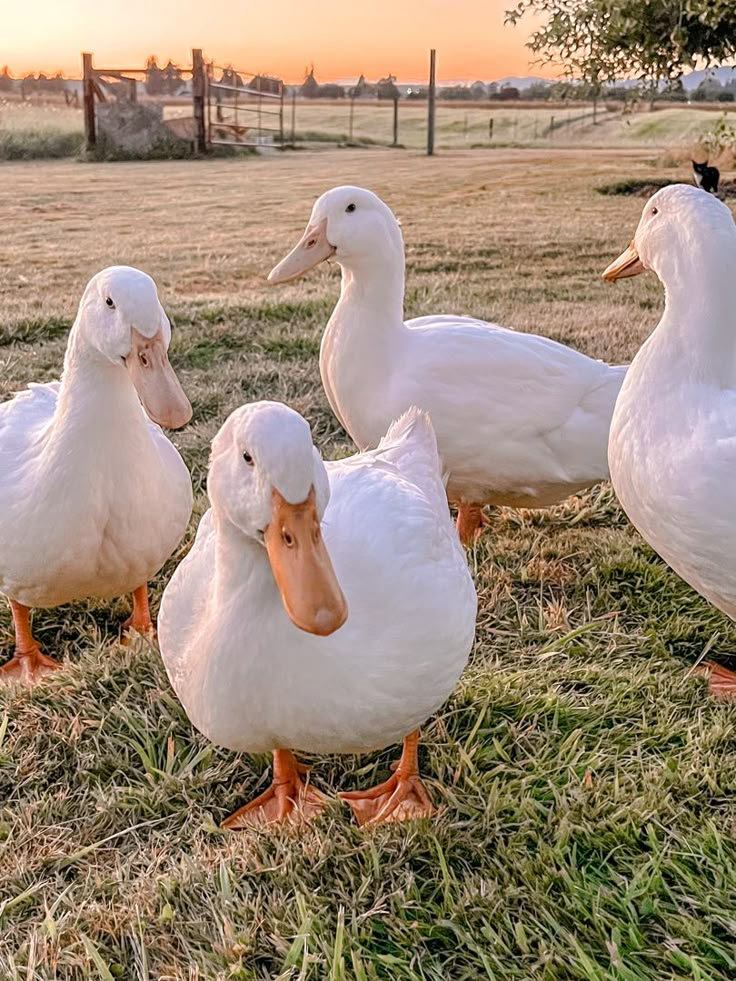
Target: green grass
[458, 126]
[586, 783]
[44, 144]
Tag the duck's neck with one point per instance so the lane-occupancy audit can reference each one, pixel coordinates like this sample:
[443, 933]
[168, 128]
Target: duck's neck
[376, 286]
[240, 562]
[363, 341]
[698, 329]
[98, 412]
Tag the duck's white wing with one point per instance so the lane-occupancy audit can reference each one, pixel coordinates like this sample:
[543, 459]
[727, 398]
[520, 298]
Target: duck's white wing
[26, 414]
[450, 320]
[184, 601]
[491, 389]
[22, 422]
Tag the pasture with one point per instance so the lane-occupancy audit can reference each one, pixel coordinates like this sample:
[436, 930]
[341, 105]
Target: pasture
[585, 781]
[51, 129]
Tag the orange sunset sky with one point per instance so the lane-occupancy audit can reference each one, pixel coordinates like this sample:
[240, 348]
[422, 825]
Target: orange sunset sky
[341, 37]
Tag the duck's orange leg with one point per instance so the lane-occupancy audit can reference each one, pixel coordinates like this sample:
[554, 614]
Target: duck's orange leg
[470, 522]
[28, 663]
[402, 797]
[289, 798]
[721, 681]
[140, 619]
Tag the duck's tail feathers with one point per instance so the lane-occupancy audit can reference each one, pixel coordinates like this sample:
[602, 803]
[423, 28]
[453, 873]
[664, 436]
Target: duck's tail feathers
[414, 421]
[411, 445]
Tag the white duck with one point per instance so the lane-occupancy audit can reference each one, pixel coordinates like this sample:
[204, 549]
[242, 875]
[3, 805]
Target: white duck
[673, 436]
[520, 420]
[333, 645]
[93, 497]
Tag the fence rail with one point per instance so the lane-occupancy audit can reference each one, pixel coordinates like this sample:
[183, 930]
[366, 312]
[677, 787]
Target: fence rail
[236, 112]
[229, 107]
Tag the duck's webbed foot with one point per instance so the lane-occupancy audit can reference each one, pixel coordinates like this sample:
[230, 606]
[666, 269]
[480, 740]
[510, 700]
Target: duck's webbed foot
[28, 664]
[403, 797]
[721, 681]
[289, 798]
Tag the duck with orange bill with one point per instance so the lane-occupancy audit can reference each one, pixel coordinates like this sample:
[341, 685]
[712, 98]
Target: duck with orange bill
[326, 608]
[673, 436]
[93, 496]
[521, 420]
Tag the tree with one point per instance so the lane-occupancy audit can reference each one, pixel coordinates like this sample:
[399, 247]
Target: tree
[386, 88]
[171, 79]
[538, 91]
[709, 90]
[331, 90]
[674, 91]
[154, 82]
[655, 40]
[310, 86]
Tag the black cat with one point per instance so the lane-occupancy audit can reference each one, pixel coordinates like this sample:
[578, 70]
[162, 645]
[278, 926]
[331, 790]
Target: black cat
[706, 177]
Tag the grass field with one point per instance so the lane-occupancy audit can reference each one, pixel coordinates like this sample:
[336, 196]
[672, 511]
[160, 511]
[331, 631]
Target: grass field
[457, 126]
[586, 783]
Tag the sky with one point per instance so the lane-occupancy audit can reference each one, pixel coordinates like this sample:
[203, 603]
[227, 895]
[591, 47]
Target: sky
[342, 38]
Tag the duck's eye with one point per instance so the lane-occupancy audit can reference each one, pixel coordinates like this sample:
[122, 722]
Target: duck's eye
[350, 207]
[108, 301]
[655, 211]
[248, 458]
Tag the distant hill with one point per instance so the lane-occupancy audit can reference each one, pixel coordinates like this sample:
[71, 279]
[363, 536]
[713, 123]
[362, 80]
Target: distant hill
[522, 82]
[723, 75]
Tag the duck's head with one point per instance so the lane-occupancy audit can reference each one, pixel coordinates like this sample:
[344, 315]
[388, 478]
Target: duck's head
[268, 480]
[121, 317]
[680, 224]
[349, 223]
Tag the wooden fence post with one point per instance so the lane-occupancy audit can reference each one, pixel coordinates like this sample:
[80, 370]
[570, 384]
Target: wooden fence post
[396, 121]
[281, 116]
[199, 83]
[88, 92]
[293, 117]
[430, 104]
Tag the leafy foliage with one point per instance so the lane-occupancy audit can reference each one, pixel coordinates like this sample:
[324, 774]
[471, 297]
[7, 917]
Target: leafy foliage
[598, 40]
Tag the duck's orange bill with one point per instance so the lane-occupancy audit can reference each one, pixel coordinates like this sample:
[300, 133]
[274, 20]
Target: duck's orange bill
[155, 381]
[627, 264]
[312, 248]
[302, 568]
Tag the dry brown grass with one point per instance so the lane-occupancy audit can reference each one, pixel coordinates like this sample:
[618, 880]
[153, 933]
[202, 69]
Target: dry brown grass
[487, 232]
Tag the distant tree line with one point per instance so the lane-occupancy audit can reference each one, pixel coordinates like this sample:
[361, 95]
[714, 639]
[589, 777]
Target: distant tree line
[384, 88]
[40, 84]
[162, 81]
[573, 90]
